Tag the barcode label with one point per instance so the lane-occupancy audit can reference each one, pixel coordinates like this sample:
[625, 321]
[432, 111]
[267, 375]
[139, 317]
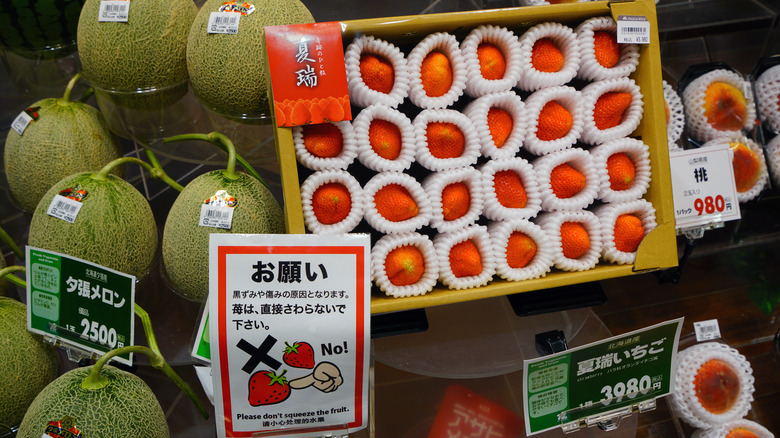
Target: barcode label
[706, 330]
[216, 216]
[21, 122]
[223, 22]
[633, 29]
[114, 11]
[64, 208]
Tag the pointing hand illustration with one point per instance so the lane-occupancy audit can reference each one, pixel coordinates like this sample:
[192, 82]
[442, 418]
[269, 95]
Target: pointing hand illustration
[326, 377]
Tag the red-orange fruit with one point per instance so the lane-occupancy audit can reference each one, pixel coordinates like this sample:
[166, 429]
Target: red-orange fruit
[323, 140]
[385, 139]
[465, 259]
[666, 110]
[404, 265]
[716, 386]
[607, 48]
[395, 204]
[500, 123]
[747, 166]
[566, 181]
[331, 203]
[741, 432]
[610, 109]
[334, 112]
[377, 72]
[520, 250]
[445, 140]
[575, 240]
[554, 122]
[509, 189]
[436, 74]
[492, 63]
[628, 233]
[546, 56]
[621, 170]
[455, 201]
[300, 114]
[725, 107]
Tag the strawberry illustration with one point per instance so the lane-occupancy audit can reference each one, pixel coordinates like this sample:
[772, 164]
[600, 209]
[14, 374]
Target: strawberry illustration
[266, 388]
[299, 355]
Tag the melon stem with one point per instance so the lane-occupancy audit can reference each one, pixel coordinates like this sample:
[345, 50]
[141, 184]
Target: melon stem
[155, 172]
[96, 381]
[11, 244]
[147, 325]
[7, 273]
[69, 87]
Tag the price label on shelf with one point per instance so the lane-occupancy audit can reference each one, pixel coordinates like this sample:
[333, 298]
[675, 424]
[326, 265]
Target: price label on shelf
[596, 379]
[703, 186]
[633, 29]
[82, 304]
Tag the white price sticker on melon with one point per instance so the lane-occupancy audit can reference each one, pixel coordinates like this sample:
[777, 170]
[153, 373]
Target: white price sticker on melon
[21, 122]
[216, 216]
[114, 11]
[64, 208]
[223, 22]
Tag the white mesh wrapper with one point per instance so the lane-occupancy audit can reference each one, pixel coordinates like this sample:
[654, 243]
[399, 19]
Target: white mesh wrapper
[445, 241]
[359, 93]
[684, 399]
[567, 97]
[538, 266]
[448, 45]
[551, 224]
[496, 211]
[379, 222]
[506, 41]
[763, 177]
[367, 154]
[693, 101]
[471, 147]
[385, 245]
[510, 102]
[608, 214]
[580, 160]
[722, 431]
[590, 69]
[675, 122]
[313, 162]
[591, 134]
[773, 157]
[566, 41]
[768, 98]
[639, 153]
[358, 201]
[435, 183]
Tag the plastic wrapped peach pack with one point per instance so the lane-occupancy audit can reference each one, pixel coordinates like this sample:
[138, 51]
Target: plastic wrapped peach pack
[718, 103]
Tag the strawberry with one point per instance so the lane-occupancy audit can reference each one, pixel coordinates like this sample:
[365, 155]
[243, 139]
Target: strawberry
[299, 355]
[266, 388]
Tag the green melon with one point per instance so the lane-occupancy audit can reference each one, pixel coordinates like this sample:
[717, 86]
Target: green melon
[227, 72]
[114, 228]
[27, 364]
[146, 53]
[39, 29]
[125, 408]
[185, 244]
[68, 137]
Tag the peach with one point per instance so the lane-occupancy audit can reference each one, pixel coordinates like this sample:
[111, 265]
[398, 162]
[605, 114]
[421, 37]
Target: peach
[747, 166]
[716, 386]
[725, 107]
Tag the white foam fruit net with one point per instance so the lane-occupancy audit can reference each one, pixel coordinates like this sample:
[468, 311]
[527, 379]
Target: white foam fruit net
[539, 264]
[590, 68]
[480, 112]
[745, 194]
[306, 138]
[580, 160]
[551, 223]
[448, 45]
[571, 100]
[369, 154]
[356, 200]
[435, 185]
[675, 119]
[768, 97]
[379, 272]
[427, 159]
[773, 158]
[565, 40]
[723, 431]
[503, 39]
[699, 126]
[592, 94]
[359, 93]
[444, 243]
[639, 153]
[608, 215]
[415, 190]
[496, 175]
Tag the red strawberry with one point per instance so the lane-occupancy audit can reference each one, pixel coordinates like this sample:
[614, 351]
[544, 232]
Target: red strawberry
[299, 355]
[266, 388]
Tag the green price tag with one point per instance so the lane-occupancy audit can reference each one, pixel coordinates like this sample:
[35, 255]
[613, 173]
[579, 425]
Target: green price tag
[84, 305]
[600, 378]
[201, 348]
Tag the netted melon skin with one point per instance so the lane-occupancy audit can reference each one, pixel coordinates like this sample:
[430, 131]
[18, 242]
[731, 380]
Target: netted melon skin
[125, 408]
[27, 364]
[185, 244]
[115, 227]
[67, 138]
[227, 72]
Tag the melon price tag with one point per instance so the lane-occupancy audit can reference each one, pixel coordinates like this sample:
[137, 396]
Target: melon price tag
[706, 330]
[82, 304]
[21, 122]
[308, 73]
[289, 325]
[223, 22]
[600, 379]
[633, 29]
[703, 186]
[216, 216]
[114, 11]
[64, 208]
